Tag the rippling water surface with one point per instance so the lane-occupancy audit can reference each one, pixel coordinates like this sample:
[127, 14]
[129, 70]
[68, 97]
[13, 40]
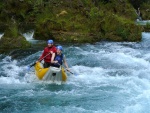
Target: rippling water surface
[110, 77]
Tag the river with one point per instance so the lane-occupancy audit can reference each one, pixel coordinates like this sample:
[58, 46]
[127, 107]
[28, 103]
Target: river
[110, 77]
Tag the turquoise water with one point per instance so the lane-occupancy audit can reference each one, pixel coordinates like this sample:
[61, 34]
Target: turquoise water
[110, 77]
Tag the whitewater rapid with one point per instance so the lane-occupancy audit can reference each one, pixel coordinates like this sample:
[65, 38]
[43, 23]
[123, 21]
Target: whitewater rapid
[110, 77]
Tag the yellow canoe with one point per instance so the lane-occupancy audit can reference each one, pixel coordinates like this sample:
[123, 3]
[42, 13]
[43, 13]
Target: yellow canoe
[50, 74]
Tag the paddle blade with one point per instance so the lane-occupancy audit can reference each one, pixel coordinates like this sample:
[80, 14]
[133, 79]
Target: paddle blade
[28, 68]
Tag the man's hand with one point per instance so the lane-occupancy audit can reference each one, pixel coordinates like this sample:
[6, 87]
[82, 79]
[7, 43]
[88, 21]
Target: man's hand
[51, 52]
[56, 61]
[68, 69]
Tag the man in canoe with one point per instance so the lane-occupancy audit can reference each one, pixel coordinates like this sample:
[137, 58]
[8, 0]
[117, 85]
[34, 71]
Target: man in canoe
[59, 58]
[47, 54]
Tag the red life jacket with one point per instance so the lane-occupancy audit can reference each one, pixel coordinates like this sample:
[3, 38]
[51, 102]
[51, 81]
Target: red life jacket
[46, 51]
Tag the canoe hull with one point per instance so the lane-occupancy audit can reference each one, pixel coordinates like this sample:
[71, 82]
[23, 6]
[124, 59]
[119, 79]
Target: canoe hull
[50, 74]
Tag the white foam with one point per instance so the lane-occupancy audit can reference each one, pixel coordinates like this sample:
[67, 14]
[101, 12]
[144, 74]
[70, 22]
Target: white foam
[1, 35]
[143, 22]
[139, 103]
[120, 82]
[9, 80]
[29, 35]
[11, 72]
[11, 69]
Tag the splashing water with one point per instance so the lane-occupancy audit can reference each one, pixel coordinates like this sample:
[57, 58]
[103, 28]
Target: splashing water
[29, 35]
[1, 35]
[113, 77]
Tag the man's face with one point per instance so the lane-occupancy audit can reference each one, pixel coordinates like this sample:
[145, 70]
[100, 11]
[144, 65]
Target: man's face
[50, 45]
[58, 51]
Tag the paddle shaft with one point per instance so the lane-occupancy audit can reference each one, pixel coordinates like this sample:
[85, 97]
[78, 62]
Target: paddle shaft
[66, 69]
[70, 71]
[39, 60]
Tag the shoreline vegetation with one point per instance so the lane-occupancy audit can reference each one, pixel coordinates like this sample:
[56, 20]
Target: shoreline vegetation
[79, 21]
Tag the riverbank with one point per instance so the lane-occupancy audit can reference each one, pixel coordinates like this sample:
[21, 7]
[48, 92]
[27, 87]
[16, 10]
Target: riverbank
[69, 21]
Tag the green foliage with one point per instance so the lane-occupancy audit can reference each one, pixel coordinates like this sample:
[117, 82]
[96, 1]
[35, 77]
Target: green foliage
[95, 13]
[44, 17]
[100, 18]
[145, 11]
[147, 27]
[12, 30]
[123, 32]
[121, 28]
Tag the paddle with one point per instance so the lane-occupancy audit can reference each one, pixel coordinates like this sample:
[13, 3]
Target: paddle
[66, 69]
[28, 68]
[70, 72]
